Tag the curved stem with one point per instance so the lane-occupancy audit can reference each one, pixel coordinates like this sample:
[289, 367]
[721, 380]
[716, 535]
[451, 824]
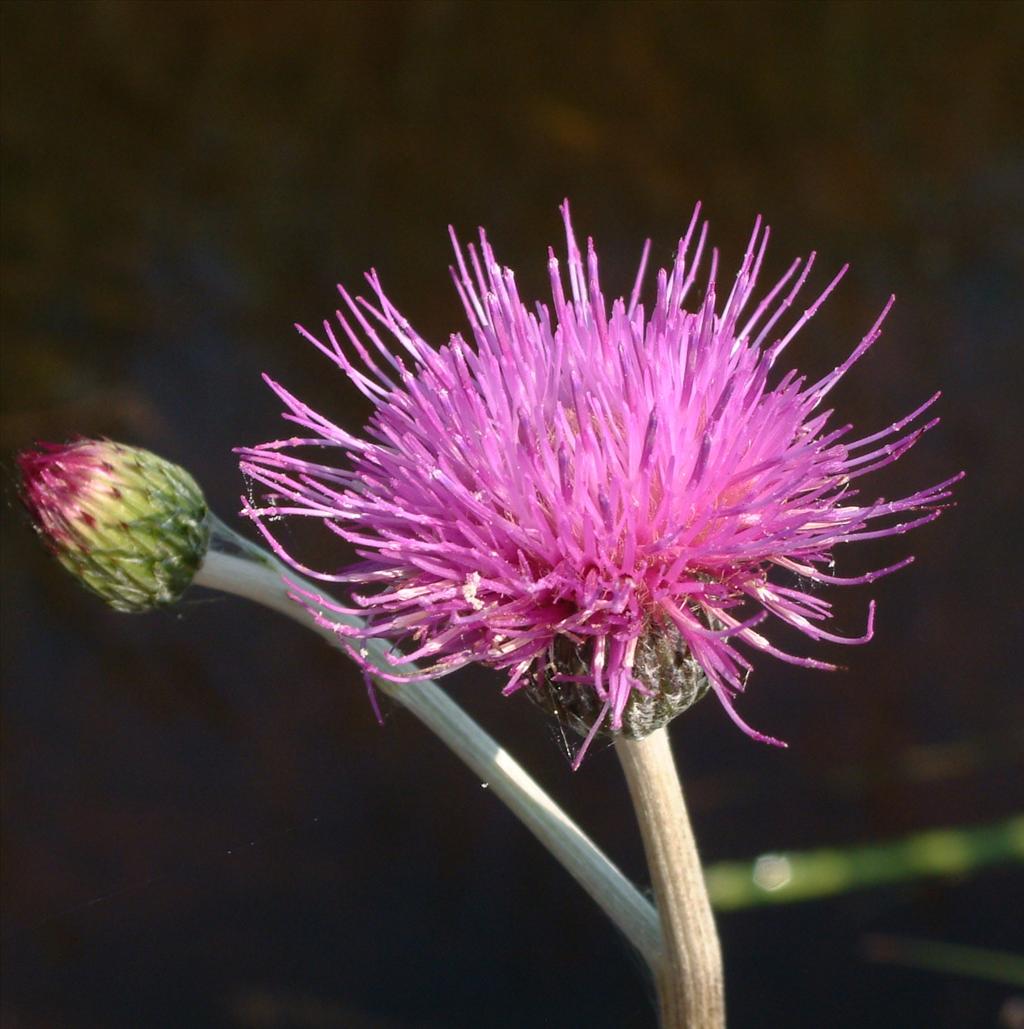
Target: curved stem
[235, 565]
[690, 983]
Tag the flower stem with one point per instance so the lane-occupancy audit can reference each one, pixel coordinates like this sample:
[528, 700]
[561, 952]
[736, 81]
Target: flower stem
[234, 565]
[690, 984]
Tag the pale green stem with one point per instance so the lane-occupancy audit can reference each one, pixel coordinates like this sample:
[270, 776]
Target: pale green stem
[690, 984]
[235, 565]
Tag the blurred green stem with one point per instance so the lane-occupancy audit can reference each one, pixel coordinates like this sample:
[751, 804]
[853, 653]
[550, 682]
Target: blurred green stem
[786, 877]
[948, 958]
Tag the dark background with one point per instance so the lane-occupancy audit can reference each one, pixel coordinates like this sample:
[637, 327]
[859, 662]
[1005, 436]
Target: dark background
[203, 825]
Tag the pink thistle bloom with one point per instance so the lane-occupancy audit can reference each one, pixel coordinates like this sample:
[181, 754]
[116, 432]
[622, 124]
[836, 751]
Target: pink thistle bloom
[581, 486]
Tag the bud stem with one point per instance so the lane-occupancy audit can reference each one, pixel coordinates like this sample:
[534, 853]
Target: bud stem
[690, 982]
[235, 565]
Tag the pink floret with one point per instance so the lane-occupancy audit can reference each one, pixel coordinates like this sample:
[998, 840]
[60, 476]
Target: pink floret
[55, 479]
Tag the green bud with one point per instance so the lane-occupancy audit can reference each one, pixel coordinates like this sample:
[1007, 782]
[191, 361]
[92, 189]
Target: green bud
[127, 524]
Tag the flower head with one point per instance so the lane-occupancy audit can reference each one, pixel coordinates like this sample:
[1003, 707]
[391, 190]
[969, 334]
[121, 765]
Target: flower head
[127, 524]
[603, 501]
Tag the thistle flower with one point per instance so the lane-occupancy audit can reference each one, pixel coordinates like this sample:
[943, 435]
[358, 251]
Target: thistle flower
[127, 524]
[605, 503]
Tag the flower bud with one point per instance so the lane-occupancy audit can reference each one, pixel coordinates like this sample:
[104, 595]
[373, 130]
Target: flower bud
[127, 524]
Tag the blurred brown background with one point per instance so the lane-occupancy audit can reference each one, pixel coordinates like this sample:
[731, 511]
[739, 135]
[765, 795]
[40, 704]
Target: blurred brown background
[203, 825]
